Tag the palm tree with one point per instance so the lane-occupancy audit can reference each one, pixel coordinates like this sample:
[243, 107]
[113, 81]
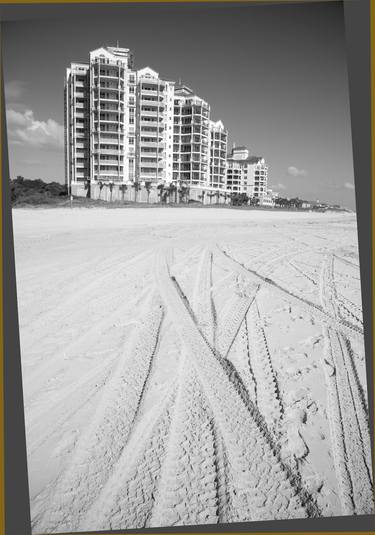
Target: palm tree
[148, 190]
[101, 186]
[111, 184]
[137, 187]
[166, 193]
[87, 185]
[232, 198]
[201, 196]
[183, 191]
[187, 193]
[160, 187]
[123, 188]
[172, 188]
[210, 194]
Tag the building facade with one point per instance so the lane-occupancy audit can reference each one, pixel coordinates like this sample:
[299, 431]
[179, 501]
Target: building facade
[246, 174]
[154, 127]
[77, 123]
[112, 107]
[124, 126]
[190, 138]
[218, 141]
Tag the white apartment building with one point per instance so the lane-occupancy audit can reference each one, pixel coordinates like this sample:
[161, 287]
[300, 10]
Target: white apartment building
[124, 125]
[246, 174]
[191, 149]
[218, 140]
[77, 123]
[99, 111]
[154, 144]
[112, 107]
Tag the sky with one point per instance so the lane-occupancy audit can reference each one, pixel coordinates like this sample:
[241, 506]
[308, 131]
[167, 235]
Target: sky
[276, 75]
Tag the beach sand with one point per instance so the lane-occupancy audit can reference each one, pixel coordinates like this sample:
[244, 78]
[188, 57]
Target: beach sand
[190, 366]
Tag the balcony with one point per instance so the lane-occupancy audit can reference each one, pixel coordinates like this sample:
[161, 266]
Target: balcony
[113, 151]
[149, 92]
[107, 130]
[105, 174]
[153, 175]
[151, 133]
[105, 167]
[151, 144]
[114, 110]
[110, 163]
[105, 99]
[151, 165]
[152, 103]
[150, 113]
[110, 121]
[110, 141]
[108, 76]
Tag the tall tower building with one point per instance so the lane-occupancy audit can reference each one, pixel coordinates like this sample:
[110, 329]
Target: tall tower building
[218, 139]
[191, 149]
[112, 117]
[124, 125]
[154, 119]
[77, 123]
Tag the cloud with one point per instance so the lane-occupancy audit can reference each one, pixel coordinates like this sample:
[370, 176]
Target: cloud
[293, 171]
[278, 186]
[24, 129]
[14, 90]
[349, 185]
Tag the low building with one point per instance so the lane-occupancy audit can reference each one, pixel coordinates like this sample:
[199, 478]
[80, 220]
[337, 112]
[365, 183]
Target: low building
[267, 200]
[246, 174]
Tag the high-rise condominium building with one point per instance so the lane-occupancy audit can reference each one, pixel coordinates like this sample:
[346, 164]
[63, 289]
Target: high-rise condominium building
[154, 130]
[191, 150]
[125, 125]
[246, 174]
[77, 123]
[112, 110]
[99, 118]
[218, 140]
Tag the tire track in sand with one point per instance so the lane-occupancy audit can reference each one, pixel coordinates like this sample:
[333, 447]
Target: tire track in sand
[267, 390]
[264, 486]
[128, 498]
[100, 447]
[347, 414]
[311, 307]
[188, 491]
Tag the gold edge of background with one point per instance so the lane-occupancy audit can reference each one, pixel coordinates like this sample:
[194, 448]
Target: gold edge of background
[372, 67]
[372, 104]
[7, 2]
[2, 460]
